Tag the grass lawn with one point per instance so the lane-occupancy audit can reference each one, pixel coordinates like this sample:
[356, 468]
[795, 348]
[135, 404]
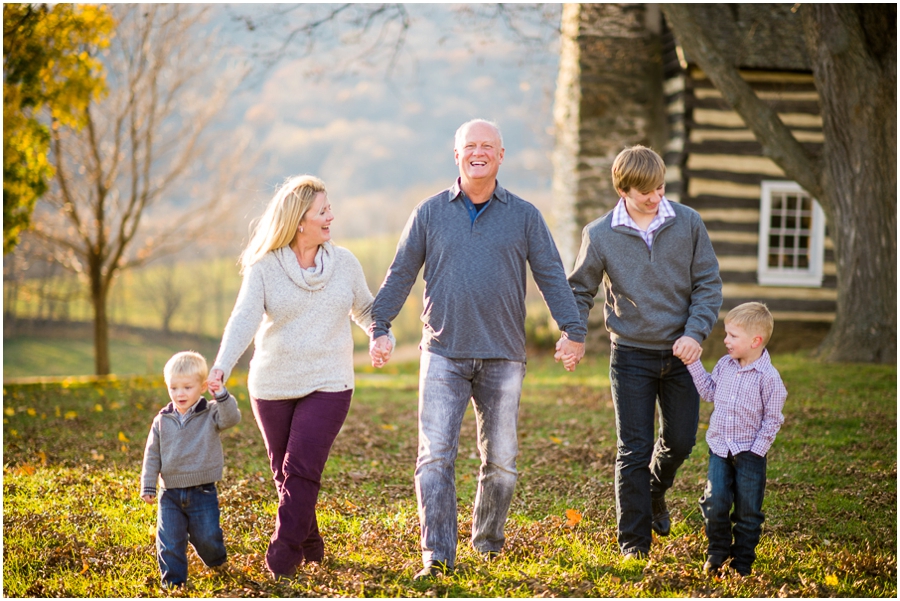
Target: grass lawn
[74, 526]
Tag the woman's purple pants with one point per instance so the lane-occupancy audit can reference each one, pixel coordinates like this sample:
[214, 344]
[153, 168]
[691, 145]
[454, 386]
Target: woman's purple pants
[298, 434]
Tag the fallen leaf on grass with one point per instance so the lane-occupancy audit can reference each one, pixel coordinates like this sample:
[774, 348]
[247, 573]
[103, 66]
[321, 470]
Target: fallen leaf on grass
[831, 580]
[572, 518]
[122, 437]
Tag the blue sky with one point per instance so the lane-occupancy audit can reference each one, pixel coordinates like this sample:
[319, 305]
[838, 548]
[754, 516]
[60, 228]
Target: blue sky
[383, 141]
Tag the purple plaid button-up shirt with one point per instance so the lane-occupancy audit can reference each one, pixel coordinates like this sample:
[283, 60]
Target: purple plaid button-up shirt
[748, 403]
[622, 218]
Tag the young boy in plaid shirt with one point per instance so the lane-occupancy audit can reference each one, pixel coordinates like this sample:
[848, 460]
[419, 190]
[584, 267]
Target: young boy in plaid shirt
[748, 395]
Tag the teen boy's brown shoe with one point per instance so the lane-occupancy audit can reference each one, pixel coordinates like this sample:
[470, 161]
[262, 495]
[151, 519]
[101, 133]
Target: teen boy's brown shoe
[661, 523]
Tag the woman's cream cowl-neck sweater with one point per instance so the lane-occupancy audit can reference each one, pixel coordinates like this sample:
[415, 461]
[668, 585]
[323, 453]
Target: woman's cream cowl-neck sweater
[299, 321]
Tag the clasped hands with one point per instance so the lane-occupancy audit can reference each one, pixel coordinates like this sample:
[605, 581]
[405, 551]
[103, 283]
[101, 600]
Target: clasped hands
[570, 353]
[380, 350]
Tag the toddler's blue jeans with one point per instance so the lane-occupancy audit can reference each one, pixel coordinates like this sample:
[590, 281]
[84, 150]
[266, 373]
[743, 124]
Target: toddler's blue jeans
[188, 515]
[737, 481]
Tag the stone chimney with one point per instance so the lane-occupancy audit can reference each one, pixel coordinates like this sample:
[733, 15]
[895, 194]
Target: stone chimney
[609, 95]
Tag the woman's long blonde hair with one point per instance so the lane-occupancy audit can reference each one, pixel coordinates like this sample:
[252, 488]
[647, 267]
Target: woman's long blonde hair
[278, 225]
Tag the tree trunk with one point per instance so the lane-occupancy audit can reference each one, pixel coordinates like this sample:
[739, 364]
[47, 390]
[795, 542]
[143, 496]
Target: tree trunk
[99, 298]
[853, 48]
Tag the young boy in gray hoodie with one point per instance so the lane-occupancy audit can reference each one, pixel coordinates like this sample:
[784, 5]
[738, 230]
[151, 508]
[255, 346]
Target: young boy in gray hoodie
[185, 453]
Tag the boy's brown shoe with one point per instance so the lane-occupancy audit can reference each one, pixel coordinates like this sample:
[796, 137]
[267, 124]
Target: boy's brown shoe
[661, 523]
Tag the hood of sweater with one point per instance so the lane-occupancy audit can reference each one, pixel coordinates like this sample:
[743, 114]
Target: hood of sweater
[308, 280]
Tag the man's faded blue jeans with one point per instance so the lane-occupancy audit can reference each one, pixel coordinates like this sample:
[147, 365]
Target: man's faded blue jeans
[445, 387]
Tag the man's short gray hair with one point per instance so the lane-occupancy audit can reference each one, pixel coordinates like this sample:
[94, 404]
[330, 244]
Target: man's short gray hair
[458, 138]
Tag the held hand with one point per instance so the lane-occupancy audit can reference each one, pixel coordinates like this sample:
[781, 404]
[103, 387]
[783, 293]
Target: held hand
[687, 349]
[149, 499]
[569, 352]
[380, 351]
[214, 381]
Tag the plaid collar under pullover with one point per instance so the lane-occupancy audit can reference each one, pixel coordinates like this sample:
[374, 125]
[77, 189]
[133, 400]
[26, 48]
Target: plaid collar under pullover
[622, 218]
[474, 268]
[748, 403]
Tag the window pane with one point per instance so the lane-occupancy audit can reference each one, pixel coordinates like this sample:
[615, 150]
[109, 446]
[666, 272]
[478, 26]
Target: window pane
[773, 260]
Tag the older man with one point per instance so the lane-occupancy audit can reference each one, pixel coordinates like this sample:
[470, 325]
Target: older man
[473, 239]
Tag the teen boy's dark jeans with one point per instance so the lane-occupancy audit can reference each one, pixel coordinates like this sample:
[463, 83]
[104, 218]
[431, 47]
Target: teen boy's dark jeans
[188, 515]
[738, 481]
[639, 379]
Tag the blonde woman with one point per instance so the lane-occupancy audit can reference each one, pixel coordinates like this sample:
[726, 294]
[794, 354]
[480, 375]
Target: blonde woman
[298, 295]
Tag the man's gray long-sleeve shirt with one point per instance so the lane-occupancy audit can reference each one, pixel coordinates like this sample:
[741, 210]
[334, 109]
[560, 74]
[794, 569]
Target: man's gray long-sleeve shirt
[474, 272]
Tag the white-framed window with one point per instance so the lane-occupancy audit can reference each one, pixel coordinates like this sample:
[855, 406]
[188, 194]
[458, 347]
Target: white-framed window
[791, 236]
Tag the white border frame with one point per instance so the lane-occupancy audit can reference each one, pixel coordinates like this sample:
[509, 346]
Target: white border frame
[767, 276]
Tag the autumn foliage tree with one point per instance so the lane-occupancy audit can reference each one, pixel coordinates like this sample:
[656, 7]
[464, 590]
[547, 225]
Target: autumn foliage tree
[145, 176]
[853, 53]
[51, 72]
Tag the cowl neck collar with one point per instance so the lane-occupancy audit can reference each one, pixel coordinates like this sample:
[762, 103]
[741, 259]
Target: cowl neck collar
[308, 280]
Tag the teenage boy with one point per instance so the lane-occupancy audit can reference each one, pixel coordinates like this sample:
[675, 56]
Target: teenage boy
[748, 395]
[184, 451]
[661, 298]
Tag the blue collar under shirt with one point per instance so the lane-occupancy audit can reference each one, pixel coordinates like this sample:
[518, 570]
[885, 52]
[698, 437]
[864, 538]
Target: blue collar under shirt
[474, 211]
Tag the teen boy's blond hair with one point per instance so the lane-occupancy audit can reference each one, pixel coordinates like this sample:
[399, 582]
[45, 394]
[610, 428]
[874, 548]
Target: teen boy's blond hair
[186, 363]
[640, 168]
[755, 318]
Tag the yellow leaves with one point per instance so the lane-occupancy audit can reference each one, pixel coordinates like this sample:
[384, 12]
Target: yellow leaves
[42, 456]
[389, 427]
[122, 437]
[31, 412]
[98, 408]
[832, 580]
[96, 456]
[573, 518]
[556, 440]
[9, 411]
[70, 415]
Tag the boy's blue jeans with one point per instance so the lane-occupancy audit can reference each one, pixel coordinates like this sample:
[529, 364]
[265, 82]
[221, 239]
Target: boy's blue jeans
[737, 481]
[188, 515]
[445, 387]
[640, 379]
